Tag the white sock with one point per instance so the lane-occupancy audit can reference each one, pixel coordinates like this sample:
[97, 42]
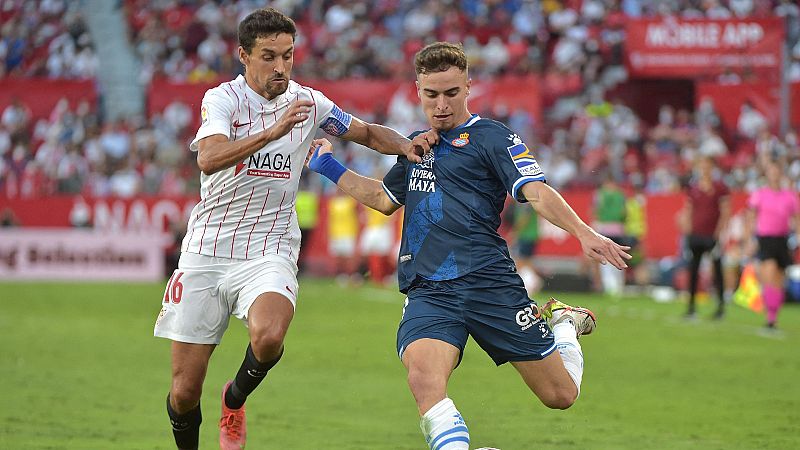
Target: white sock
[567, 344]
[444, 428]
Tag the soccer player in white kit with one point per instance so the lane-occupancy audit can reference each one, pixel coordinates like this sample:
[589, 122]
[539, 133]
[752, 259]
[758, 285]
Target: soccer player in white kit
[239, 256]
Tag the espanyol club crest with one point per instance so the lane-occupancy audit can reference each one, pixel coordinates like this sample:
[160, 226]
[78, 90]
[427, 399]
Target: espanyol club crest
[462, 140]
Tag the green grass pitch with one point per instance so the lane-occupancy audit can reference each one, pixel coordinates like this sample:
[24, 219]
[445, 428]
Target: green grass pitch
[79, 369]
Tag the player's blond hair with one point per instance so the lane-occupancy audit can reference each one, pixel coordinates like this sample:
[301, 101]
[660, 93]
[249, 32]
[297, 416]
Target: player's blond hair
[439, 57]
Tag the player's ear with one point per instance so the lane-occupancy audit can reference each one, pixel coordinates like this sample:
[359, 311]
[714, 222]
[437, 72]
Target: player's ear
[419, 94]
[469, 85]
[244, 58]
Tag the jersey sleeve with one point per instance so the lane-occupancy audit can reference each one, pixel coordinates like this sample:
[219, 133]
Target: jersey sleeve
[394, 183]
[216, 116]
[512, 161]
[330, 118]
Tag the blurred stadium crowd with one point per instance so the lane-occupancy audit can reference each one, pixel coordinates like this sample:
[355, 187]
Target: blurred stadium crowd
[575, 45]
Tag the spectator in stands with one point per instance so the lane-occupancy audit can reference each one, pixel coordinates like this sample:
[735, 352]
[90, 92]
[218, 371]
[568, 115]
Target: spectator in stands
[703, 219]
[750, 121]
[16, 119]
[8, 219]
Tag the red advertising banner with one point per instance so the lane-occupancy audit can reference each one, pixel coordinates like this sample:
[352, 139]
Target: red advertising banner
[690, 48]
[138, 214]
[728, 100]
[40, 95]
[155, 214]
[80, 254]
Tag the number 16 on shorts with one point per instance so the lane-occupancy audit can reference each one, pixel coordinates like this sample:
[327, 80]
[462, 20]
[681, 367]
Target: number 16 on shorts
[174, 290]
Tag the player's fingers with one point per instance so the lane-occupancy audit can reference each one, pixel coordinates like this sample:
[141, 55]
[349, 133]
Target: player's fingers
[301, 103]
[424, 145]
[614, 257]
[297, 118]
[432, 136]
[414, 156]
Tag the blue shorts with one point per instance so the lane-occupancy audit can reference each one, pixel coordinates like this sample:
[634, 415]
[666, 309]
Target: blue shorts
[490, 304]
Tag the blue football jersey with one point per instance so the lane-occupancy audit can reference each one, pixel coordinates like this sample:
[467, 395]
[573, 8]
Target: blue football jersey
[454, 197]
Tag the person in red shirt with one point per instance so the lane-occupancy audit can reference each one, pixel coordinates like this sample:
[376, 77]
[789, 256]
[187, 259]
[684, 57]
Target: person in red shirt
[705, 215]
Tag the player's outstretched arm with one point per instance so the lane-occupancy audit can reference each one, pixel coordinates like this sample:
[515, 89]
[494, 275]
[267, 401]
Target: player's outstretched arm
[388, 141]
[216, 152]
[552, 206]
[367, 191]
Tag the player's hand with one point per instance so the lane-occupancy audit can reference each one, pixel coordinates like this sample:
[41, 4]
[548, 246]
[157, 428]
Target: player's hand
[318, 148]
[603, 250]
[297, 112]
[421, 145]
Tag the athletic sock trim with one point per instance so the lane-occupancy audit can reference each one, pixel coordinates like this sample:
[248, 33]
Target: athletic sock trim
[460, 429]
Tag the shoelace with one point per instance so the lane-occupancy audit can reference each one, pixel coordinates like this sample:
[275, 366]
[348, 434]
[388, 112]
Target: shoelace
[233, 424]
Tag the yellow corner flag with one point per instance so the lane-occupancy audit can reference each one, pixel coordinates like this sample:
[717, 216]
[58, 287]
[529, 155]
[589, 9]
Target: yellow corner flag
[748, 294]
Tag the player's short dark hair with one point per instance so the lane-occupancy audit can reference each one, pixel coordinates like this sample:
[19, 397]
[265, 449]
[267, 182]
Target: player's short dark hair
[439, 57]
[264, 22]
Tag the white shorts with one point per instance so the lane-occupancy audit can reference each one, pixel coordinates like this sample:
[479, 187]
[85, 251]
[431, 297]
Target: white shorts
[377, 240]
[345, 246]
[205, 291]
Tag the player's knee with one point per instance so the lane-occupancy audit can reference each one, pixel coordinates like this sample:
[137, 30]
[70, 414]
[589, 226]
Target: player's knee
[560, 398]
[267, 342]
[185, 396]
[423, 383]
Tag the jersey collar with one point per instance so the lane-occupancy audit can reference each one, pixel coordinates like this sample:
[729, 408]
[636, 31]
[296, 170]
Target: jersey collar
[276, 103]
[472, 119]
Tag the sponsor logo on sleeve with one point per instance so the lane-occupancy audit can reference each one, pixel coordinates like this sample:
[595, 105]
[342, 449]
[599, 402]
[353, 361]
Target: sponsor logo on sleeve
[204, 114]
[524, 161]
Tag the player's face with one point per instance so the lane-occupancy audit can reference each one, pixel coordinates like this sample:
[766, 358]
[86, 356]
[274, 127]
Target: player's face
[269, 65]
[444, 98]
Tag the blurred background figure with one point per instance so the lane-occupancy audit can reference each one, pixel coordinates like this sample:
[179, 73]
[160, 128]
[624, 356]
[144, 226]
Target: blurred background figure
[635, 231]
[342, 235]
[376, 245]
[525, 234]
[704, 216]
[307, 206]
[609, 215]
[773, 209]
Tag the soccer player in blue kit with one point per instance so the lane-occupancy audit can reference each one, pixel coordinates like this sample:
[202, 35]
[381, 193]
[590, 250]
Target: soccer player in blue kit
[454, 266]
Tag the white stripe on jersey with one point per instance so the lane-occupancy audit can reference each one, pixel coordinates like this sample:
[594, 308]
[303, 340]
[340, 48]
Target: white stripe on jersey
[221, 219]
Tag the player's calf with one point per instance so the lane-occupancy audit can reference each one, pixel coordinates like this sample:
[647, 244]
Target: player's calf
[186, 426]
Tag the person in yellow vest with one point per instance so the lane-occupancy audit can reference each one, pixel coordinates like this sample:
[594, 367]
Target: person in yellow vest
[635, 229]
[307, 207]
[376, 244]
[342, 235]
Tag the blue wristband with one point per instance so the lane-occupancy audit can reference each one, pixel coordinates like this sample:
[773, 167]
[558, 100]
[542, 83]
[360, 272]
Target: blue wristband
[327, 166]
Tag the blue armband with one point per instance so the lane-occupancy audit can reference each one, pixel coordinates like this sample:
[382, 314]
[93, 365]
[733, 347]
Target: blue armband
[327, 166]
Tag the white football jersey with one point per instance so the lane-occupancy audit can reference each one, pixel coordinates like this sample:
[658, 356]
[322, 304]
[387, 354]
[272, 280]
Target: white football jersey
[248, 211]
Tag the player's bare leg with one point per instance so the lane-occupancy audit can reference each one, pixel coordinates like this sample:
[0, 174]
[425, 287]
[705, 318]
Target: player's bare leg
[268, 320]
[549, 380]
[189, 366]
[429, 363]
[556, 379]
